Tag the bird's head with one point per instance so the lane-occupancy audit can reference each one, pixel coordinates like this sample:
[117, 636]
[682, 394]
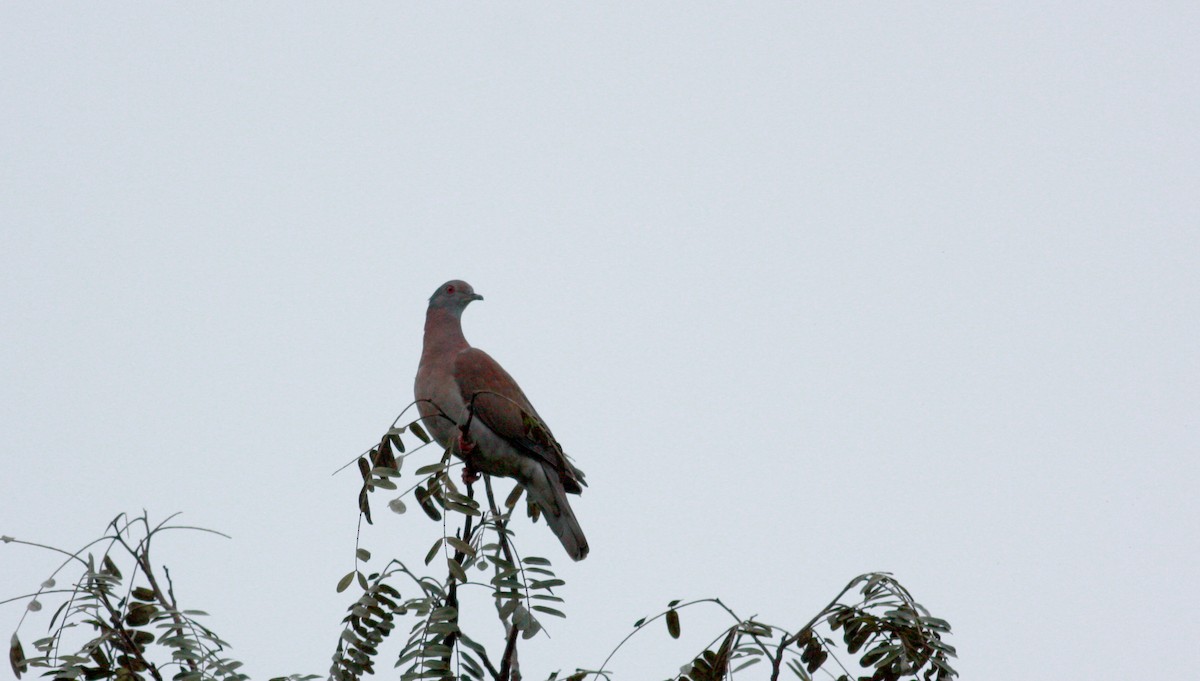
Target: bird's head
[454, 296]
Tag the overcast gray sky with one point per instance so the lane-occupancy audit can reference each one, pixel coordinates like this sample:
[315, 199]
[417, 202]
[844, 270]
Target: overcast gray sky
[808, 291]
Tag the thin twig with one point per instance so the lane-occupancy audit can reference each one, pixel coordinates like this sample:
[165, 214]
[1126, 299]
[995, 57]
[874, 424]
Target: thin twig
[510, 645]
[451, 638]
[510, 654]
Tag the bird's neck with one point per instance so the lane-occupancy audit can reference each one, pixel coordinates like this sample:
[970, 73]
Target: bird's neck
[443, 332]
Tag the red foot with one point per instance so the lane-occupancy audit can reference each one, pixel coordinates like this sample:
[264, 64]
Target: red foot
[466, 449]
[470, 475]
[465, 446]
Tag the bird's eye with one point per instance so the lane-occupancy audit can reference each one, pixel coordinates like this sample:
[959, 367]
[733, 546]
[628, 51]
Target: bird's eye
[449, 289]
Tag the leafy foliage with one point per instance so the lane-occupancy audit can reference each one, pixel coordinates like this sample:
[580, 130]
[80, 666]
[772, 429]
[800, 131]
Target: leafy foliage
[902, 639]
[110, 626]
[521, 588]
[135, 628]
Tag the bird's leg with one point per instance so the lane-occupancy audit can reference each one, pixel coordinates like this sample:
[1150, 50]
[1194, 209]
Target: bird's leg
[466, 448]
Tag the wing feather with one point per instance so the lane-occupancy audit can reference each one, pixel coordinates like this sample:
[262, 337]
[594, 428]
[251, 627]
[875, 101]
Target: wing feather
[501, 404]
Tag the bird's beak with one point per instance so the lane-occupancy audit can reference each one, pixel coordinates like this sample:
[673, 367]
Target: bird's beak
[476, 296]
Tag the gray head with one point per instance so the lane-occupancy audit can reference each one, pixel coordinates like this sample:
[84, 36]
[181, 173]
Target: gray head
[454, 296]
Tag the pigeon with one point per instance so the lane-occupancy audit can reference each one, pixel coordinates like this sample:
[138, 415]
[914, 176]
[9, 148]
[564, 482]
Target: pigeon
[474, 408]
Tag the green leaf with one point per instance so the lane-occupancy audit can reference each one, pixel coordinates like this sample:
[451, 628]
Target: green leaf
[455, 568]
[530, 628]
[427, 505]
[798, 670]
[460, 545]
[936, 623]
[396, 442]
[140, 614]
[817, 661]
[804, 637]
[143, 594]
[363, 554]
[344, 583]
[419, 431]
[874, 655]
[509, 606]
[672, 622]
[110, 568]
[430, 468]
[397, 505]
[386, 456]
[549, 611]
[856, 643]
[433, 551]
[756, 628]
[513, 497]
[942, 664]
[364, 506]
[461, 508]
[142, 638]
[16, 656]
[747, 663]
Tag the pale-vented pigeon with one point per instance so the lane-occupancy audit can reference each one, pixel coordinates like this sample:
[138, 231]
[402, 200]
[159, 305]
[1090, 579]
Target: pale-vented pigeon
[506, 435]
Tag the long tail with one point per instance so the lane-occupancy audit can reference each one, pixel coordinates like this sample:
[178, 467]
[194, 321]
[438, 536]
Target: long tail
[547, 492]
